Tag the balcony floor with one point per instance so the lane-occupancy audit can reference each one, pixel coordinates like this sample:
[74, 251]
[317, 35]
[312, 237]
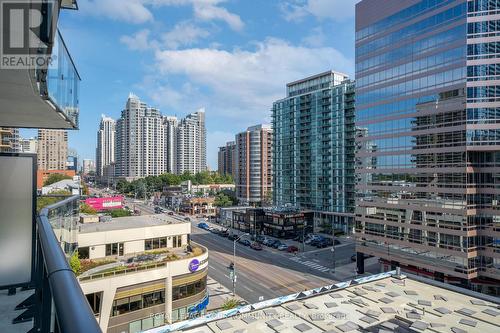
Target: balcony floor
[7, 312]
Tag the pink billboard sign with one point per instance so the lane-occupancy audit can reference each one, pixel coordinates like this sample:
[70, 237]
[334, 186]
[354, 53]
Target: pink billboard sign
[105, 203]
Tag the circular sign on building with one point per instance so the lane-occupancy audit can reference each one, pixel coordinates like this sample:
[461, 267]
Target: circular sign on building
[193, 265]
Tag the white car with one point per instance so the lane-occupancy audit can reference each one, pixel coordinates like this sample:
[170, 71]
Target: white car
[282, 247]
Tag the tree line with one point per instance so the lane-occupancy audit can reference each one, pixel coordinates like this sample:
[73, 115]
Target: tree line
[145, 186]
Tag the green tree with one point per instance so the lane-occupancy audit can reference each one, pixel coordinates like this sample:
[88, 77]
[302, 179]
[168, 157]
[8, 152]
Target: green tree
[74, 263]
[55, 177]
[86, 209]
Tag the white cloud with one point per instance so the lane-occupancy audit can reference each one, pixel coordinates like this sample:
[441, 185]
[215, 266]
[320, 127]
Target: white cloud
[131, 11]
[209, 12]
[241, 85]
[138, 41]
[338, 10]
[183, 33]
[136, 11]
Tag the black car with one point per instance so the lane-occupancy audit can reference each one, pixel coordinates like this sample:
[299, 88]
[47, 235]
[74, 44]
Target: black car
[232, 237]
[224, 233]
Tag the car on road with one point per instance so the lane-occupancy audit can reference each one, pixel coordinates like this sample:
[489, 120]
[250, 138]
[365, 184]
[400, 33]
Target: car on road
[170, 213]
[232, 237]
[187, 218]
[256, 246]
[245, 242]
[203, 225]
[282, 247]
[224, 233]
[292, 249]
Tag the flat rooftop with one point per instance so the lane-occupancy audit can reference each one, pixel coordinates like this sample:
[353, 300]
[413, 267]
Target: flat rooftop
[379, 303]
[130, 222]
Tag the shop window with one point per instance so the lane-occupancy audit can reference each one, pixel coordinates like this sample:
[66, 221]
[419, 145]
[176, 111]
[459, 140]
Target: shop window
[114, 249]
[94, 300]
[83, 252]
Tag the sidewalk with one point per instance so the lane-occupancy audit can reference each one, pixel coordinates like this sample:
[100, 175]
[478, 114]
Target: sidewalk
[218, 295]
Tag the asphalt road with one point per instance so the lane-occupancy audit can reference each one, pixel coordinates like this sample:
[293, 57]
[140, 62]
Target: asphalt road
[259, 273]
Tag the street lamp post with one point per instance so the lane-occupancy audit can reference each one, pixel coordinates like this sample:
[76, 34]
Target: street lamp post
[234, 261]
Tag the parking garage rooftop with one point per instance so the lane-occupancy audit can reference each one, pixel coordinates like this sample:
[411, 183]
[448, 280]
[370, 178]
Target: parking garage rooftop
[379, 303]
[130, 222]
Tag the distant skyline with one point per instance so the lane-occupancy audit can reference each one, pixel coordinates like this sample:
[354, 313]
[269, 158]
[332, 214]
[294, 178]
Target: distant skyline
[230, 57]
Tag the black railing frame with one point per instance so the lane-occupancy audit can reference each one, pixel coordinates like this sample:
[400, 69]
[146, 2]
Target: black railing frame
[60, 305]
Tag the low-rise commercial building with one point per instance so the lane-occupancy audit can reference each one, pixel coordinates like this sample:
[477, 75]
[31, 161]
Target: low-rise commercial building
[277, 222]
[199, 206]
[142, 272]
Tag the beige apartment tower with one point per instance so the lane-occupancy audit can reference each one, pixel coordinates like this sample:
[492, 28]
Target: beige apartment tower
[52, 149]
[253, 174]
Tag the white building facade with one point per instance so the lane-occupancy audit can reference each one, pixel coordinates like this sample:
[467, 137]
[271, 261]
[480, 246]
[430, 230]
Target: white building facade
[105, 151]
[152, 274]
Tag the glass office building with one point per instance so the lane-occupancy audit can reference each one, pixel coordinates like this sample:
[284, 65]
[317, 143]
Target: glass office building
[428, 125]
[313, 149]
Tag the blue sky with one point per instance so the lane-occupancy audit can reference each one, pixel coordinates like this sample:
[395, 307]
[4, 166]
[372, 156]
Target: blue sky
[231, 57]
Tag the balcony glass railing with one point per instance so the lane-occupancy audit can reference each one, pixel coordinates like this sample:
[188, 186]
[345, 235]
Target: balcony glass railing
[60, 305]
[63, 80]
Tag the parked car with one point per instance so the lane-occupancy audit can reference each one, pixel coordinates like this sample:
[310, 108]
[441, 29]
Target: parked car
[260, 239]
[271, 242]
[203, 225]
[323, 243]
[232, 237]
[276, 244]
[224, 233]
[315, 241]
[170, 213]
[283, 247]
[256, 246]
[187, 218]
[292, 249]
[245, 242]
[267, 241]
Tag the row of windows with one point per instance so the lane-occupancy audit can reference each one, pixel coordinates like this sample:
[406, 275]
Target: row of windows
[156, 297]
[428, 24]
[422, 84]
[137, 302]
[161, 242]
[114, 249]
[483, 5]
[481, 92]
[483, 48]
[483, 26]
[394, 108]
[400, 17]
[187, 290]
[483, 70]
[415, 49]
[432, 62]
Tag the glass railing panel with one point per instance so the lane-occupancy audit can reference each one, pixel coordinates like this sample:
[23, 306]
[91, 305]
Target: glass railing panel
[63, 80]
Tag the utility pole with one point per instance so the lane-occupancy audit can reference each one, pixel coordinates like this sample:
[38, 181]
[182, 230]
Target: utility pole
[333, 246]
[233, 266]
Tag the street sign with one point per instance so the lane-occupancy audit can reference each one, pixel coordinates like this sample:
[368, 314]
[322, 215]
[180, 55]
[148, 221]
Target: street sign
[231, 275]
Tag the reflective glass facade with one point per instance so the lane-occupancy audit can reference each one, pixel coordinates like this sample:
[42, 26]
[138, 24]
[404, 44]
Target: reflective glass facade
[428, 137]
[313, 148]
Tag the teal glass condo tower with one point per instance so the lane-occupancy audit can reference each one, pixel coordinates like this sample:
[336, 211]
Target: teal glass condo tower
[313, 149]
